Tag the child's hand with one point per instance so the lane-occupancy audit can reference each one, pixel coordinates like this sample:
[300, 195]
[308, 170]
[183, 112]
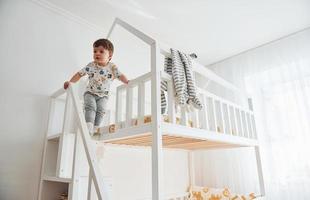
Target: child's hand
[124, 79]
[74, 79]
[66, 84]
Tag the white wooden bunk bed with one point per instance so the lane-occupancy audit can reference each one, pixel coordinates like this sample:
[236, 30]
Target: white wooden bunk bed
[220, 124]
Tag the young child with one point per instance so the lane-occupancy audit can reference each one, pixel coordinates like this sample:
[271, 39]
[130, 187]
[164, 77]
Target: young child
[101, 72]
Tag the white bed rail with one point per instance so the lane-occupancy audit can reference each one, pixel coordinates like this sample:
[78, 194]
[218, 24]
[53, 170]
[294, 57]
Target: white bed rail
[137, 82]
[217, 115]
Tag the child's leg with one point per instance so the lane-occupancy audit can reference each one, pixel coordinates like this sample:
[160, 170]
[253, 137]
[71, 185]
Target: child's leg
[101, 109]
[90, 107]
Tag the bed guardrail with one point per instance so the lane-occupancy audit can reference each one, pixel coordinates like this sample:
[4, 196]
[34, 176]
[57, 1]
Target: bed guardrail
[217, 115]
[128, 89]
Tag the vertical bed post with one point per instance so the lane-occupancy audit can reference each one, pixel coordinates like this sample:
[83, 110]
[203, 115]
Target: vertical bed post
[157, 154]
[78, 148]
[51, 111]
[257, 153]
[260, 171]
[118, 108]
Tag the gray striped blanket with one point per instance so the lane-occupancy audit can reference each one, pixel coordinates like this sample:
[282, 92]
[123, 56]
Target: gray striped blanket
[180, 67]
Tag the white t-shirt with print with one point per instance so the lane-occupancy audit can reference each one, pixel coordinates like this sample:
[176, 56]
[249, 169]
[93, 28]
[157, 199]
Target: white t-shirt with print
[100, 77]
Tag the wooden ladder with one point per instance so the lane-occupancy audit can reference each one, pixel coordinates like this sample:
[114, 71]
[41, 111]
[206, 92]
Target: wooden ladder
[69, 164]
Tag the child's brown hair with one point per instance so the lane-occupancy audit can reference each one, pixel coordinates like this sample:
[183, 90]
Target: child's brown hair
[105, 43]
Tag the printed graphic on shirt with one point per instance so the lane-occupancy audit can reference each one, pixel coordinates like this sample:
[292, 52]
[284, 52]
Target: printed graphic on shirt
[100, 77]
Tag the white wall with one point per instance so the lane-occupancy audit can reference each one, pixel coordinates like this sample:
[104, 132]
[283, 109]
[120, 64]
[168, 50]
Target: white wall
[39, 50]
[130, 171]
[238, 169]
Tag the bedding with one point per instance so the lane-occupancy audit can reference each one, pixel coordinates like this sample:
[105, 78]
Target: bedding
[208, 193]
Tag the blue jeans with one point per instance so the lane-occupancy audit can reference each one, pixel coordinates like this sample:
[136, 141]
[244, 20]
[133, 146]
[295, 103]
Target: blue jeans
[95, 108]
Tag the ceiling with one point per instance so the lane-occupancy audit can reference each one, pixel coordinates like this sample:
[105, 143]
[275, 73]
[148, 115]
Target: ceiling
[213, 29]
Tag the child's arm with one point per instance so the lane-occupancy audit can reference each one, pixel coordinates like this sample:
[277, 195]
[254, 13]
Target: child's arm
[76, 77]
[124, 79]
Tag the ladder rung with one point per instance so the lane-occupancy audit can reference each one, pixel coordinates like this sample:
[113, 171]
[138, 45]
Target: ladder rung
[57, 179]
[54, 137]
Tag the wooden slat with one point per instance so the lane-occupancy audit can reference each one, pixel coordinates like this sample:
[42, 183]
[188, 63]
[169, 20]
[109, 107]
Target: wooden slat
[244, 124]
[203, 117]
[128, 106]
[174, 142]
[234, 128]
[118, 108]
[141, 102]
[194, 118]
[248, 124]
[214, 114]
[230, 127]
[184, 118]
[253, 126]
[239, 122]
[171, 103]
[222, 117]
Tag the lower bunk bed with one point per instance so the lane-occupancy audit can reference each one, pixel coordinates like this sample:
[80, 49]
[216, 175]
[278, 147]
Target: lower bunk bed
[177, 136]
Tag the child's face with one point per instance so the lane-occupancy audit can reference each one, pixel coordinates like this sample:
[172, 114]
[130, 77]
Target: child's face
[101, 55]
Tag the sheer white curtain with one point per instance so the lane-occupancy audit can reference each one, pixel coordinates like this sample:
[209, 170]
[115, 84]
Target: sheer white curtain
[278, 78]
[282, 100]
